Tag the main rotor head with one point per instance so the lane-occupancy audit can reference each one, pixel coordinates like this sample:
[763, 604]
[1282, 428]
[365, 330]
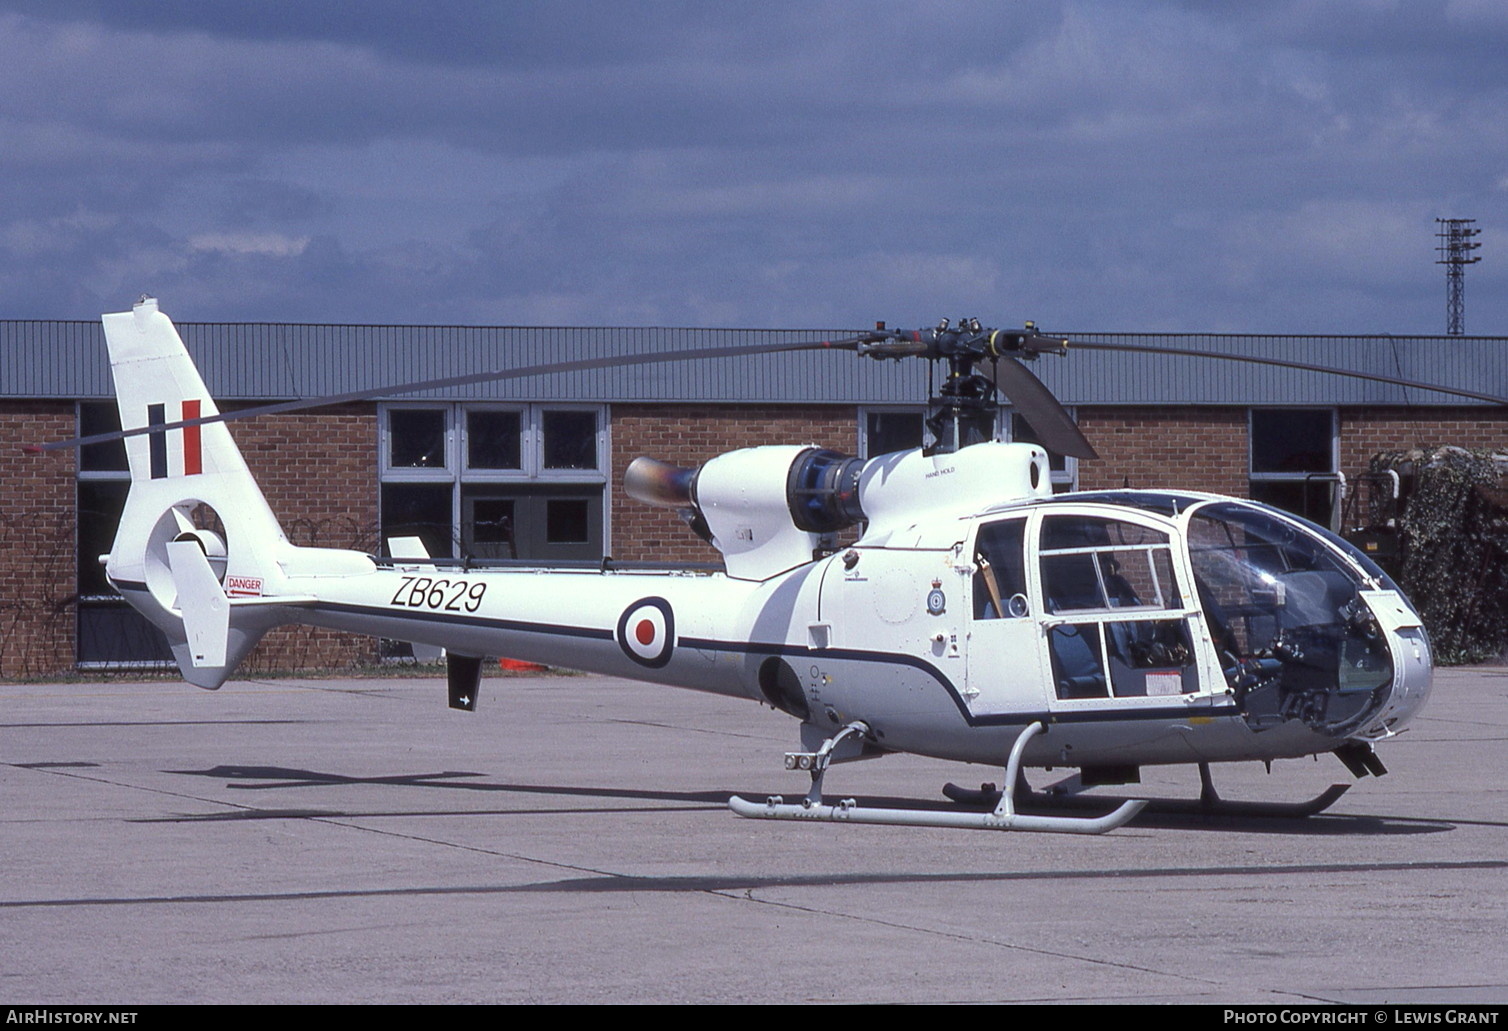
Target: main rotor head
[965, 407]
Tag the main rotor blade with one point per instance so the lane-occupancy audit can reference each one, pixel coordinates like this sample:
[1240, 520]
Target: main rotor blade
[1053, 425]
[520, 372]
[1282, 363]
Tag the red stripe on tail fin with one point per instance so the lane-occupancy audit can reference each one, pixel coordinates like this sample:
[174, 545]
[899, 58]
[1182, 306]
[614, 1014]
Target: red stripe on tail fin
[193, 461]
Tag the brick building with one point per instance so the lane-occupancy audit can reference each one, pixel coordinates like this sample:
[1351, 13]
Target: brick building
[529, 468]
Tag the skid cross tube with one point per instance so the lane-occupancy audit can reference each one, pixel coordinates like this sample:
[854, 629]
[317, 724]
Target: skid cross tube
[1003, 818]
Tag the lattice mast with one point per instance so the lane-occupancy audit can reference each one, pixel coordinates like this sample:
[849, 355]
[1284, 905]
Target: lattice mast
[1455, 249]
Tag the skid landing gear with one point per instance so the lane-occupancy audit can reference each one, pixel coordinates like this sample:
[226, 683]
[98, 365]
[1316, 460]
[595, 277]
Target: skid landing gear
[1003, 818]
[1065, 794]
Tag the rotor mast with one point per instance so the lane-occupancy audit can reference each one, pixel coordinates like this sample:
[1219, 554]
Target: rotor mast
[963, 410]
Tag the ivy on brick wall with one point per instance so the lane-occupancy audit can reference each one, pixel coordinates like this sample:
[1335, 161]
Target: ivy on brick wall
[1454, 532]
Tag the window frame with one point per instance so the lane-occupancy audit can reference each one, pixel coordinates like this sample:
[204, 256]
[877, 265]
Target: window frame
[1332, 475]
[1063, 480]
[865, 411]
[535, 436]
[463, 444]
[457, 472]
[389, 472]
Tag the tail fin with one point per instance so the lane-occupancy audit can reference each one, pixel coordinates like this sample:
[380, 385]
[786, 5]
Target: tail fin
[189, 486]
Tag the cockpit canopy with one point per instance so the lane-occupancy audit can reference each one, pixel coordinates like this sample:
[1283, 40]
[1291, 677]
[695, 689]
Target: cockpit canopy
[1281, 600]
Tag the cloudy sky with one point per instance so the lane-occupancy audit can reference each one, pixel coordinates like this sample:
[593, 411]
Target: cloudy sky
[1127, 165]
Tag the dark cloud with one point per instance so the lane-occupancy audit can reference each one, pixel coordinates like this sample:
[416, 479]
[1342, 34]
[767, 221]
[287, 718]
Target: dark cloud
[1263, 166]
[569, 34]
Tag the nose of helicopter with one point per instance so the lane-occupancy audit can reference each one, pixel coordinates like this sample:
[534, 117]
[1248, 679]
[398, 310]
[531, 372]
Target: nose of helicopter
[1328, 638]
[1413, 668]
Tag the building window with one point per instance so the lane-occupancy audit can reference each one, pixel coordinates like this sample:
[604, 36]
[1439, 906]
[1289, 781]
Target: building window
[883, 430]
[491, 481]
[418, 438]
[1293, 461]
[568, 440]
[110, 634]
[494, 439]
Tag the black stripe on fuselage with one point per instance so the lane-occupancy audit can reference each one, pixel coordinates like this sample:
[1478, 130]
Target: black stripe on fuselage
[465, 619]
[993, 720]
[1138, 714]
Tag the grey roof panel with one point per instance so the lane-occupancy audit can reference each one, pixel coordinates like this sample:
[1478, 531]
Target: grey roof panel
[66, 359]
[1471, 363]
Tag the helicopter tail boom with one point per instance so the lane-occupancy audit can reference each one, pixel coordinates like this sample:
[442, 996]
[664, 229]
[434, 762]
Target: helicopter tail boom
[198, 550]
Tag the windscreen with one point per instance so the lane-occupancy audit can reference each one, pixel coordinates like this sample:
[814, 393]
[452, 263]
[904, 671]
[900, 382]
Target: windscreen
[1295, 639]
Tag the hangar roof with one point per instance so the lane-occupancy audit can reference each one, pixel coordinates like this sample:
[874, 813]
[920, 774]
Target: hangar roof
[66, 359]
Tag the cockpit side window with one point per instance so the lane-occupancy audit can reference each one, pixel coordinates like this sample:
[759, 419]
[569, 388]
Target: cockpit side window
[1092, 564]
[1000, 580]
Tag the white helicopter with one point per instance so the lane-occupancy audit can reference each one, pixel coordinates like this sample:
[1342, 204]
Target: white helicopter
[975, 617]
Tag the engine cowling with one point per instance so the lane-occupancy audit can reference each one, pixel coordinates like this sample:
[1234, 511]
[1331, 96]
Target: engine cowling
[765, 508]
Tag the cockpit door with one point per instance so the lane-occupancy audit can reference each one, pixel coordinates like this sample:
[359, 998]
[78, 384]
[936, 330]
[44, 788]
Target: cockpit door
[1004, 642]
[1118, 629]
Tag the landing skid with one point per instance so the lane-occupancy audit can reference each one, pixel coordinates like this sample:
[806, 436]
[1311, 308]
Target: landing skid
[1003, 818]
[1066, 795]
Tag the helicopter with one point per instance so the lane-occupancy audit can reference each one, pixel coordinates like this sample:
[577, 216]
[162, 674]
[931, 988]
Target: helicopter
[971, 615]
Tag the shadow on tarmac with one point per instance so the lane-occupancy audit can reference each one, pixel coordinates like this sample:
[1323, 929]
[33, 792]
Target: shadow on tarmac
[277, 778]
[743, 883]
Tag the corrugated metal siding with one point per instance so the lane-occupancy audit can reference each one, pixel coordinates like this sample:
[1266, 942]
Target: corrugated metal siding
[53, 359]
[1472, 363]
[57, 359]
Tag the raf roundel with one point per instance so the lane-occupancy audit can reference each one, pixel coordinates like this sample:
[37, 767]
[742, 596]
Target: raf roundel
[646, 632]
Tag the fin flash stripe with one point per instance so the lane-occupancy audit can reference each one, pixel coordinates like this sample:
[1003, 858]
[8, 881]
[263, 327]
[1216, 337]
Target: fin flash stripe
[193, 454]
